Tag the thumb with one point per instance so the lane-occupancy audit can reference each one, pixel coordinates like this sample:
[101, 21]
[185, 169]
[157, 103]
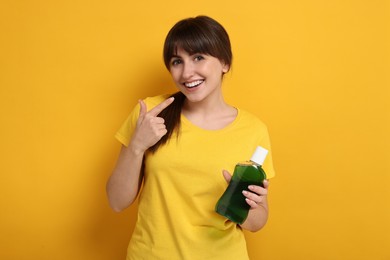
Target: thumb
[226, 175]
[143, 109]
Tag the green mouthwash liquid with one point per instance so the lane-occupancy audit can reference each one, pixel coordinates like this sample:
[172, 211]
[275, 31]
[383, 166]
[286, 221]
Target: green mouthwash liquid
[232, 204]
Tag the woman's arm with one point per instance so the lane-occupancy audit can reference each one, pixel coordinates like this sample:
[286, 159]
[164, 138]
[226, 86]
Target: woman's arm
[256, 197]
[124, 183]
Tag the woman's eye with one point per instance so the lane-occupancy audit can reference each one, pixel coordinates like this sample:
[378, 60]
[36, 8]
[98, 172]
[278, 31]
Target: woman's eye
[176, 62]
[199, 57]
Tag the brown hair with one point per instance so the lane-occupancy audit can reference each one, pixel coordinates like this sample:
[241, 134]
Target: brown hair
[200, 34]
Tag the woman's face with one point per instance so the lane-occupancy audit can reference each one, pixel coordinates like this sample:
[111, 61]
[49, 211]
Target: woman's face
[198, 76]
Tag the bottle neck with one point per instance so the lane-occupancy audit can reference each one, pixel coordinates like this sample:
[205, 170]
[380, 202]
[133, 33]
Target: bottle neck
[255, 163]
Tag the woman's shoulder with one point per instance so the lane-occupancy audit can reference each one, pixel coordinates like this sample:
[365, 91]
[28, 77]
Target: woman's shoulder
[250, 118]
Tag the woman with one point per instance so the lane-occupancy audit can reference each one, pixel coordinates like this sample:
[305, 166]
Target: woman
[177, 147]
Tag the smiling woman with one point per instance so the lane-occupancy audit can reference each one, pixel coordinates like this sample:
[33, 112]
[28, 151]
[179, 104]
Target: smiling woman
[197, 38]
[169, 143]
[317, 72]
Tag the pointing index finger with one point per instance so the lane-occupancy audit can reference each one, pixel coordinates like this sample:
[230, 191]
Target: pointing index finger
[160, 107]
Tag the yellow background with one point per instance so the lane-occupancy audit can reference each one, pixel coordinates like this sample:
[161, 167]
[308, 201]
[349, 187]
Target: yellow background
[316, 72]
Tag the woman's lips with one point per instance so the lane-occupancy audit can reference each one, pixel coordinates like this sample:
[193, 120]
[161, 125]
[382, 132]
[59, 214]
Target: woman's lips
[193, 84]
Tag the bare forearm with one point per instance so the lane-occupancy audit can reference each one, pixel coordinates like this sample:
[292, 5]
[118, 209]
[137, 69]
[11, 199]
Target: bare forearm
[123, 185]
[257, 218]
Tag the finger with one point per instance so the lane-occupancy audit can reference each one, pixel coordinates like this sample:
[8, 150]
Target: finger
[227, 175]
[251, 203]
[160, 107]
[266, 184]
[163, 131]
[158, 120]
[143, 109]
[252, 198]
[258, 190]
[160, 127]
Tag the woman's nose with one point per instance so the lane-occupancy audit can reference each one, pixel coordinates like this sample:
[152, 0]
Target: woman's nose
[188, 71]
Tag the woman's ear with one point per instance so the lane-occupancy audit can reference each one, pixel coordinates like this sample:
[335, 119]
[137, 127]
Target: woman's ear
[225, 68]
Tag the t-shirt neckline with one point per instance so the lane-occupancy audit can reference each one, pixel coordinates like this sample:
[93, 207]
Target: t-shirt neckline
[186, 121]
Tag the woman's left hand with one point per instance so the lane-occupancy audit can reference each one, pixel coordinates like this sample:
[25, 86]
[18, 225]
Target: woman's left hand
[255, 195]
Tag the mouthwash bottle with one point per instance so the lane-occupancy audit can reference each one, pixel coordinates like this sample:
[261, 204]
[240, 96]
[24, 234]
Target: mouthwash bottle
[232, 204]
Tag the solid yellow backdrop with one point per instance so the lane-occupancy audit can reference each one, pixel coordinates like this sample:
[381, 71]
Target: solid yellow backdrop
[316, 72]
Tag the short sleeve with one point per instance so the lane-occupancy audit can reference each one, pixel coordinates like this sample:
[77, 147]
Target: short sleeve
[123, 135]
[268, 163]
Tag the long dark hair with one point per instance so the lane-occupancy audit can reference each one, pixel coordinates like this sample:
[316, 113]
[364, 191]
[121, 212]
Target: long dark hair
[200, 34]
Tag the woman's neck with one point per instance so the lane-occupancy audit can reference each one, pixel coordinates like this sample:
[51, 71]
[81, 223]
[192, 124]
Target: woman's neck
[205, 107]
[209, 115]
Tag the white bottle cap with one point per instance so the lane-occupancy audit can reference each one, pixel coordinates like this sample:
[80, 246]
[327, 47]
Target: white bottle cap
[259, 155]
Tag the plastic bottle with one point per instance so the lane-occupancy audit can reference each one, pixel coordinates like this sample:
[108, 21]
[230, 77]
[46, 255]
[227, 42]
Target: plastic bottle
[232, 203]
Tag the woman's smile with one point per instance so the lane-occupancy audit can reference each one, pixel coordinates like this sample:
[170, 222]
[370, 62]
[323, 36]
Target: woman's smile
[193, 84]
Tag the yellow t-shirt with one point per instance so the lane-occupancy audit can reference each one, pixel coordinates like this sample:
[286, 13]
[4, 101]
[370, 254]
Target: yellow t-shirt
[182, 183]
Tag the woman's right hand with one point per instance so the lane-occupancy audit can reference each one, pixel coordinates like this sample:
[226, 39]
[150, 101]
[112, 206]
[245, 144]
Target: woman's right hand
[150, 128]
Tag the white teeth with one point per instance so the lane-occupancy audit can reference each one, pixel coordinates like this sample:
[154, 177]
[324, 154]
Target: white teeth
[193, 84]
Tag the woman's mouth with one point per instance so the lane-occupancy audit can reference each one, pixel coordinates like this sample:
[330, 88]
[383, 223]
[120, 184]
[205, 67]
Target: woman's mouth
[193, 84]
